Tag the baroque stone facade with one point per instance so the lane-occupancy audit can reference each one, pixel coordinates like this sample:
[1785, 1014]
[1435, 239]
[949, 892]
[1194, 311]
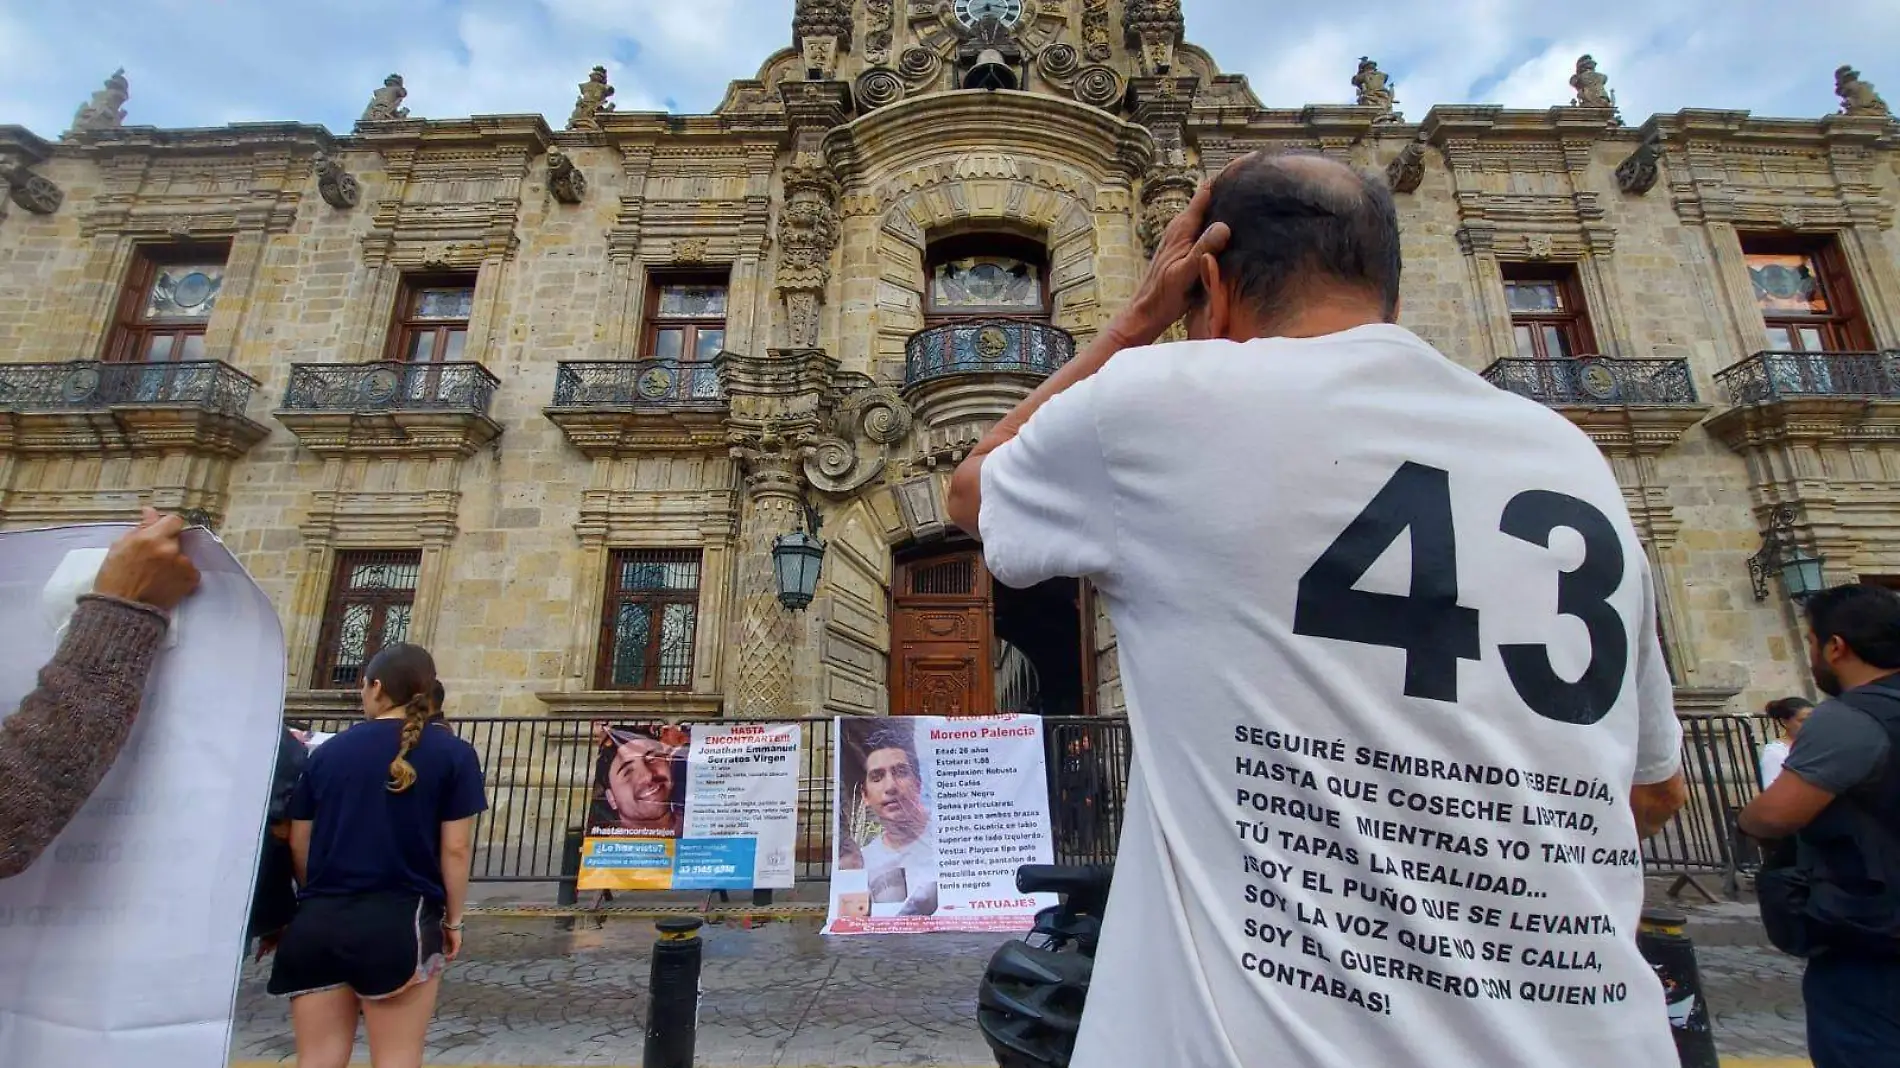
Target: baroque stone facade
[821, 195]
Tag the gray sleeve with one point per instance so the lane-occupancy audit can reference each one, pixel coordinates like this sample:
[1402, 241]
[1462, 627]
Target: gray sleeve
[1839, 748]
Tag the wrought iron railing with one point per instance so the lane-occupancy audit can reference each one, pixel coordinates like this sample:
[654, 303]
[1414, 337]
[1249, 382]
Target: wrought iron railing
[1772, 376]
[389, 387]
[1595, 380]
[636, 384]
[986, 346]
[207, 385]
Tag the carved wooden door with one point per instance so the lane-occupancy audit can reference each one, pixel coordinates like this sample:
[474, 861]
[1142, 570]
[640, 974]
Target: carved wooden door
[940, 638]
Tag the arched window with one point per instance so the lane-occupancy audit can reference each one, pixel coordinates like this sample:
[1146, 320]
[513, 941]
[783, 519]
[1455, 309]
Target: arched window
[985, 276]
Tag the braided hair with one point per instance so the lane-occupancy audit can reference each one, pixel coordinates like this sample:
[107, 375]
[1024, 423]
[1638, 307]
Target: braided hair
[407, 675]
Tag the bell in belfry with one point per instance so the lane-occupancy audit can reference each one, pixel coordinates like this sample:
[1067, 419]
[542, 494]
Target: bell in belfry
[990, 71]
[989, 55]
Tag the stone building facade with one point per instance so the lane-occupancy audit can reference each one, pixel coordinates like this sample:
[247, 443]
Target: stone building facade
[544, 400]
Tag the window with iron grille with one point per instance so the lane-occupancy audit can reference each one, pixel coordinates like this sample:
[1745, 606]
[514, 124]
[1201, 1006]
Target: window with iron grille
[372, 595]
[686, 317]
[648, 620]
[432, 316]
[167, 301]
[1548, 319]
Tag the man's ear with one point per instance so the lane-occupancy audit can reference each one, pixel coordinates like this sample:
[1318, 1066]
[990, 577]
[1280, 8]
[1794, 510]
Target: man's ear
[1217, 302]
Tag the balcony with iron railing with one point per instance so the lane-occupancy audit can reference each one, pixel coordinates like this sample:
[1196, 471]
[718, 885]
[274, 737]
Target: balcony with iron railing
[611, 406]
[986, 347]
[1770, 377]
[1776, 397]
[1640, 404]
[87, 404]
[335, 407]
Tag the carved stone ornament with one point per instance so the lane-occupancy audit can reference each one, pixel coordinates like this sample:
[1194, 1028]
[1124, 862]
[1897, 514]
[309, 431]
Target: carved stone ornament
[385, 104]
[1539, 246]
[821, 30]
[1638, 173]
[1059, 62]
[1098, 86]
[1858, 96]
[870, 420]
[1407, 170]
[919, 66]
[1164, 195]
[691, 250]
[1593, 89]
[335, 185]
[593, 102]
[879, 17]
[876, 88]
[1096, 47]
[1375, 90]
[808, 233]
[1155, 27]
[33, 192]
[565, 181]
[1791, 217]
[106, 109]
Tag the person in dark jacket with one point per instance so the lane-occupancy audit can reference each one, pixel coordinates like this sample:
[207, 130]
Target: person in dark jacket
[274, 901]
[67, 732]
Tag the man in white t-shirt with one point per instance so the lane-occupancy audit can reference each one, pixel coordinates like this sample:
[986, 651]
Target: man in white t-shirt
[1386, 636]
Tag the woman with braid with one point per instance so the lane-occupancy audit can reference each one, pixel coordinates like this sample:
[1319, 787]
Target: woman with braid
[381, 824]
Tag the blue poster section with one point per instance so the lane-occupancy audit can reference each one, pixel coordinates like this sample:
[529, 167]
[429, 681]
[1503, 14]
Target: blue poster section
[715, 863]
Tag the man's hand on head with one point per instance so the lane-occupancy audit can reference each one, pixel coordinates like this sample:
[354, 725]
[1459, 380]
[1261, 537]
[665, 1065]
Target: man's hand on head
[1166, 290]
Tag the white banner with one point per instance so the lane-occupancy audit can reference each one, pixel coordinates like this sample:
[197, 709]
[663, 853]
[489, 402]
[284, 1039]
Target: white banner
[742, 786]
[121, 945]
[934, 817]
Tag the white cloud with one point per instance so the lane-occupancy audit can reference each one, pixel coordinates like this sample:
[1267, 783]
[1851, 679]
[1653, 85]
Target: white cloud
[204, 62]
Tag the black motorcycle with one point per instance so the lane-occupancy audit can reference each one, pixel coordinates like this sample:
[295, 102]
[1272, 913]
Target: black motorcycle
[1029, 1005]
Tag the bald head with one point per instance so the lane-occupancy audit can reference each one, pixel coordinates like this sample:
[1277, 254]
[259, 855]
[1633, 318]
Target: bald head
[1307, 231]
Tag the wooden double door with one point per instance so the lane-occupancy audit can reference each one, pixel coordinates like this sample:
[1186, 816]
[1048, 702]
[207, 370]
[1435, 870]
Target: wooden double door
[944, 638]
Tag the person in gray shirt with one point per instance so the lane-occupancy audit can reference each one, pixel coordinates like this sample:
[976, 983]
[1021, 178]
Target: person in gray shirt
[1839, 797]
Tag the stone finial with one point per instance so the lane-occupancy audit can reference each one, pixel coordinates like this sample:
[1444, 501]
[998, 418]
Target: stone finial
[106, 109]
[1375, 90]
[1857, 96]
[1593, 88]
[565, 181]
[1154, 27]
[385, 104]
[593, 101]
[1407, 170]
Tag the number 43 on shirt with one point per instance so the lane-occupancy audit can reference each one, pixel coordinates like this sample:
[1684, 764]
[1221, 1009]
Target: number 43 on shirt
[1434, 629]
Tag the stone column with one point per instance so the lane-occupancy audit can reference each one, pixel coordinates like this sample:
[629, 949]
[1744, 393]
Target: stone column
[766, 631]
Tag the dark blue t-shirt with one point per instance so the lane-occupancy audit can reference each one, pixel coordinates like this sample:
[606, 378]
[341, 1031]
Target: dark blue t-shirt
[368, 840]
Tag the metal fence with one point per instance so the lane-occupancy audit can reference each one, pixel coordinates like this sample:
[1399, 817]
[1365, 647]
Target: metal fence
[635, 384]
[1772, 376]
[80, 385]
[1589, 380]
[986, 346]
[540, 775]
[389, 387]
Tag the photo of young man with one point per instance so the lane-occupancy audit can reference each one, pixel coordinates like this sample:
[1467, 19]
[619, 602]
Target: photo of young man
[884, 829]
[639, 782]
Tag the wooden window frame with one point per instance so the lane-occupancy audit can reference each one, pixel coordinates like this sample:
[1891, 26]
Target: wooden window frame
[340, 596]
[403, 325]
[1844, 329]
[130, 336]
[652, 323]
[614, 596]
[960, 246]
[1573, 323]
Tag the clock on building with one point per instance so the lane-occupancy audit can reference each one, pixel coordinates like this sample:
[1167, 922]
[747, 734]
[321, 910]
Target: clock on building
[971, 12]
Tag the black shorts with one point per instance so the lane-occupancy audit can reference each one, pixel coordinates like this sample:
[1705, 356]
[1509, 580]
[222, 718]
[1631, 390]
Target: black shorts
[378, 945]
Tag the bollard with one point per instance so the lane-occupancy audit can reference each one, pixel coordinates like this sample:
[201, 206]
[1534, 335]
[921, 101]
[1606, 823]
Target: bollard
[1667, 948]
[673, 995]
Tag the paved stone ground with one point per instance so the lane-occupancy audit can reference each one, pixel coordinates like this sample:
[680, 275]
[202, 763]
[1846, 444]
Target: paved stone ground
[778, 995]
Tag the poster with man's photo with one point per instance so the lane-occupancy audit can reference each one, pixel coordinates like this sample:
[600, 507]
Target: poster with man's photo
[934, 816]
[710, 808]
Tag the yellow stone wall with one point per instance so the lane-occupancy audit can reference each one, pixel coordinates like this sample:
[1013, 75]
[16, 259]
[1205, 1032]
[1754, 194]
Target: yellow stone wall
[516, 526]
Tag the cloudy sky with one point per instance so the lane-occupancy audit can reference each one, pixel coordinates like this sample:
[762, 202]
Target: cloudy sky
[206, 62]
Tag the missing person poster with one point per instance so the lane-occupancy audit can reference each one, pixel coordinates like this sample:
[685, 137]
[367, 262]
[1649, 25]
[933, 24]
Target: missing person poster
[934, 817]
[121, 943]
[713, 808]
